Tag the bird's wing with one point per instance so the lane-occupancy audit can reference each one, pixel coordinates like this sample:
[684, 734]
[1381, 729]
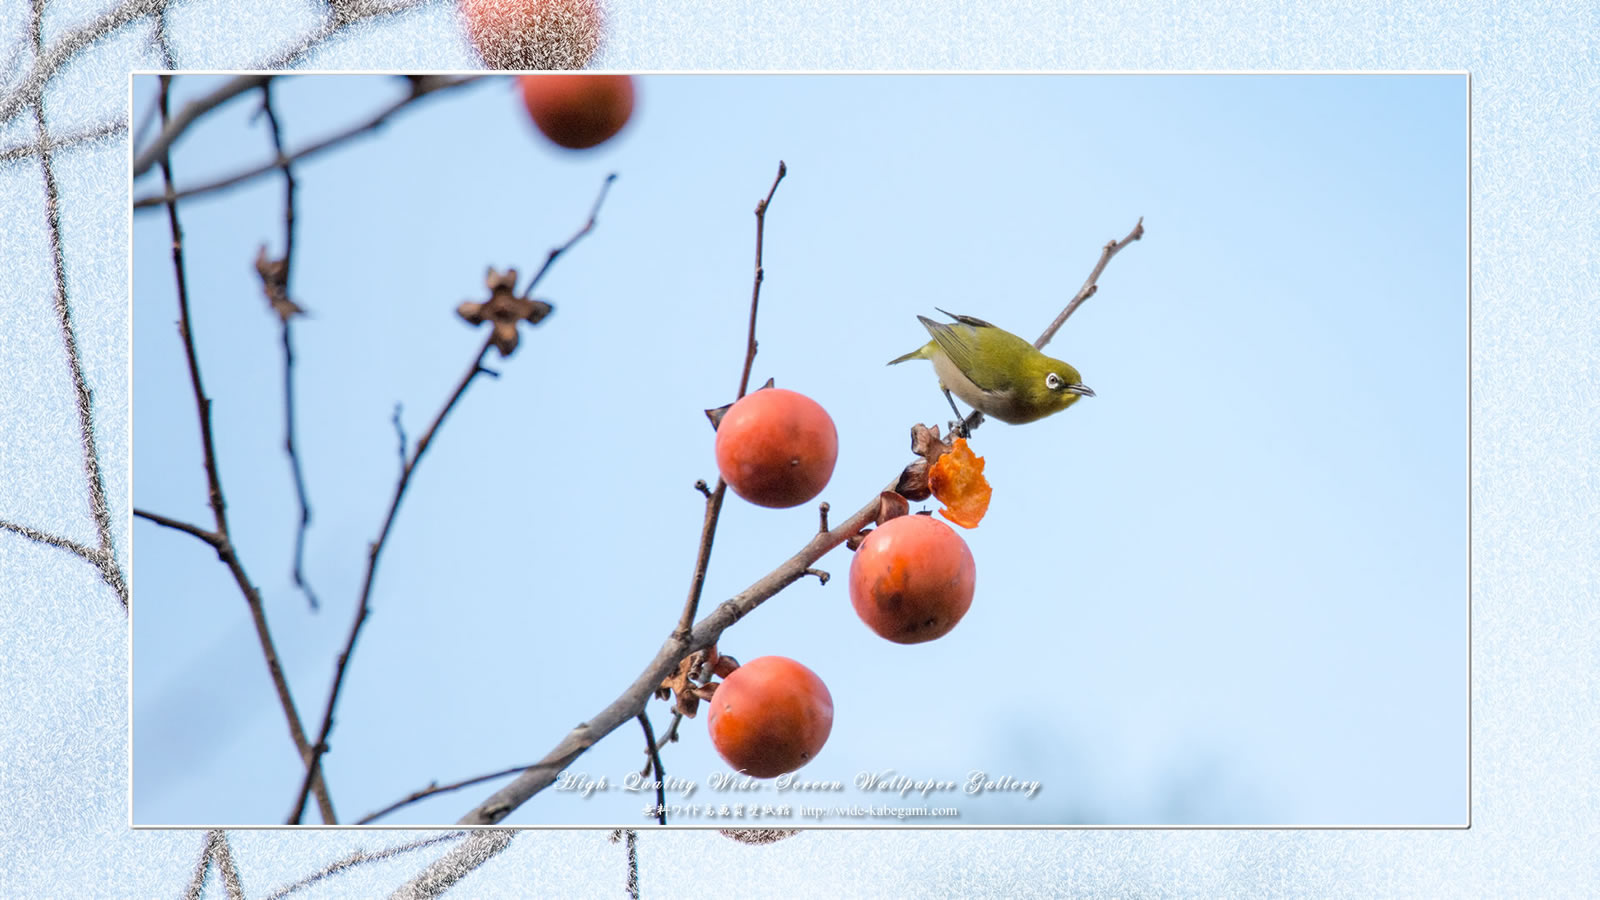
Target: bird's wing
[957, 343]
[974, 321]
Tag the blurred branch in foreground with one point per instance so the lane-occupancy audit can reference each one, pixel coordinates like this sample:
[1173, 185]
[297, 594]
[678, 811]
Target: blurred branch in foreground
[421, 86]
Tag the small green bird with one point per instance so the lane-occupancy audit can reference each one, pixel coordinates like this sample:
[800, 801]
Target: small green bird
[996, 372]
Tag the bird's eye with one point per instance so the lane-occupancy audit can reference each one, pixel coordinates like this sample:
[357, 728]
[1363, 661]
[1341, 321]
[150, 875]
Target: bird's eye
[1053, 381]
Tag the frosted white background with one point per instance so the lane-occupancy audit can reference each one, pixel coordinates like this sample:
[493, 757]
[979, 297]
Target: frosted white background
[1536, 698]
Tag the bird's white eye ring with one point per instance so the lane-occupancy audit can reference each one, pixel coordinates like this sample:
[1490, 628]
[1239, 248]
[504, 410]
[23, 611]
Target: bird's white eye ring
[1053, 381]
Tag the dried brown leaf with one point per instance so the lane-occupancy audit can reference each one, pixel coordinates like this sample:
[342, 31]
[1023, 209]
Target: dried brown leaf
[715, 415]
[913, 483]
[504, 310]
[891, 506]
[275, 284]
[926, 443]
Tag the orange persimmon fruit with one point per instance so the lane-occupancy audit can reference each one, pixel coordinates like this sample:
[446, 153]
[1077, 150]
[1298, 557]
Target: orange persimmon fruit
[770, 716]
[533, 34]
[776, 448]
[912, 579]
[578, 110]
[957, 480]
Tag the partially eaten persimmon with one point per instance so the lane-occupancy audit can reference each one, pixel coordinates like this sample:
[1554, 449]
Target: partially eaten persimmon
[957, 480]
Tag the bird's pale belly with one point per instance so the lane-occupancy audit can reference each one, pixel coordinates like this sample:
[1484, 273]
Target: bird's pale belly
[1000, 406]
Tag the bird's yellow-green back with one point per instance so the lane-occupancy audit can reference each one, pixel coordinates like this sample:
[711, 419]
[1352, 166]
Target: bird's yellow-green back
[996, 372]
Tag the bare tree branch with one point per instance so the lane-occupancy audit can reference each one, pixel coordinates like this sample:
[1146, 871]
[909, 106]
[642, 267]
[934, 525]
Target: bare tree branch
[755, 290]
[631, 838]
[67, 544]
[223, 543]
[90, 135]
[363, 606]
[705, 634]
[211, 538]
[342, 15]
[159, 37]
[436, 788]
[277, 290]
[1090, 284]
[197, 883]
[632, 701]
[632, 884]
[376, 549]
[420, 87]
[361, 857]
[654, 764]
[223, 854]
[708, 526]
[588, 226]
[47, 62]
[172, 128]
[477, 849]
[104, 555]
[216, 850]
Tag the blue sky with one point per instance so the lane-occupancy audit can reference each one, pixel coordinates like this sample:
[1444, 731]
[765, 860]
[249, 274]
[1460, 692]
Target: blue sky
[1231, 588]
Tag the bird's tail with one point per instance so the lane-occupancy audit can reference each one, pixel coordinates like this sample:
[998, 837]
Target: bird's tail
[919, 353]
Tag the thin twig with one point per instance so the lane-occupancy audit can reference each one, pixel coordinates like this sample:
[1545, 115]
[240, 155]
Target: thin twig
[103, 131]
[632, 884]
[361, 857]
[1090, 284]
[146, 119]
[400, 434]
[223, 854]
[632, 700]
[363, 606]
[47, 62]
[10, 70]
[215, 850]
[197, 882]
[223, 543]
[341, 17]
[655, 763]
[163, 45]
[755, 289]
[421, 87]
[211, 538]
[214, 493]
[434, 789]
[172, 128]
[44, 537]
[672, 730]
[708, 525]
[588, 226]
[705, 634]
[444, 872]
[286, 321]
[702, 560]
[104, 557]
[376, 548]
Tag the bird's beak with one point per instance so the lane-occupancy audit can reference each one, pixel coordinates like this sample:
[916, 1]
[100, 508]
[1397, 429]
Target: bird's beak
[1083, 390]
